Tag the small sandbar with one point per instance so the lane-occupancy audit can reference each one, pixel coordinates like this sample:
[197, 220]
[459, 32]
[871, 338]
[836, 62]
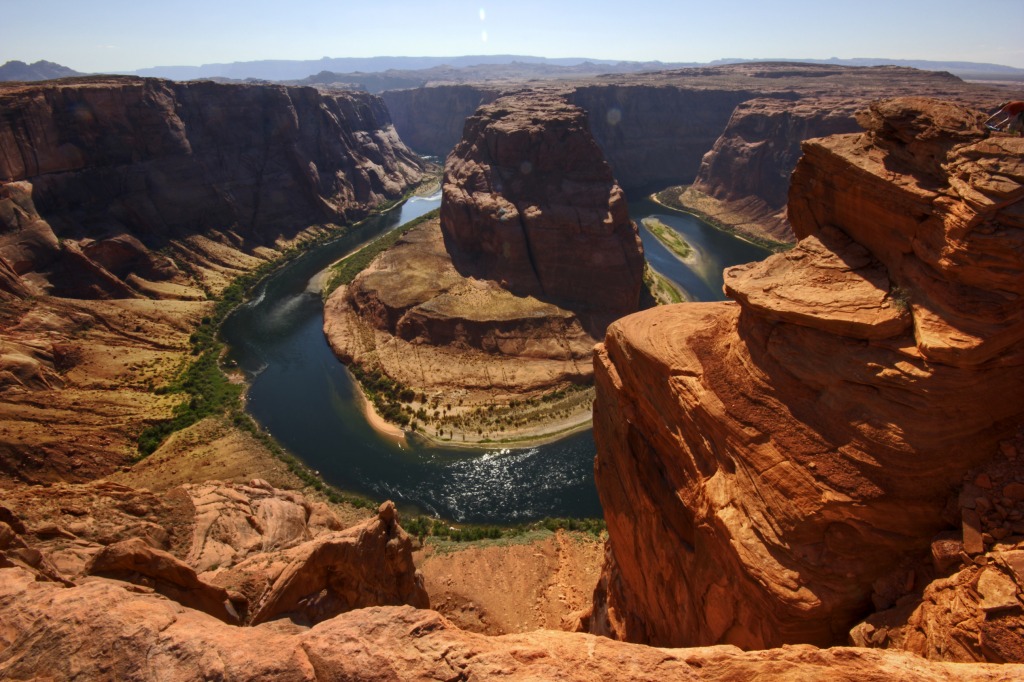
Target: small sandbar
[671, 240]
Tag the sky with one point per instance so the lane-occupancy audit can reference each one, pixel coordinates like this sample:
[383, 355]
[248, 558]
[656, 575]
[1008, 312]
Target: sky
[124, 35]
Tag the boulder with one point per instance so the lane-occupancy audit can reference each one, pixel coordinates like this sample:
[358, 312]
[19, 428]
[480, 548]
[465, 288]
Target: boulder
[136, 562]
[369, 564]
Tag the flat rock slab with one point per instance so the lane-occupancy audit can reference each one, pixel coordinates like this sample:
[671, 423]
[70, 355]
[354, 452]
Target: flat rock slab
[827, 282]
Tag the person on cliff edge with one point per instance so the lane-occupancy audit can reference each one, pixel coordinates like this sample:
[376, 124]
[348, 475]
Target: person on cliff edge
[1011, 118]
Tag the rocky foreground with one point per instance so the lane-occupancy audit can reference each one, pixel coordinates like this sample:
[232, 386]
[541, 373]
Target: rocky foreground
[245, 582]
[801, 466]
[502, 299]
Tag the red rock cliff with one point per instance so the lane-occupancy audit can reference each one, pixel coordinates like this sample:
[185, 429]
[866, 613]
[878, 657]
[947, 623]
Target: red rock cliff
[86, 161]
[769, 467]
[430, 119]
[530, 202]
[746, 173]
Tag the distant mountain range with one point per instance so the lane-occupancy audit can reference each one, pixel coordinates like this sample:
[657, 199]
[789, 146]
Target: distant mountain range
[40, 71]
[381, 73]
[965, 70]
[283, 70]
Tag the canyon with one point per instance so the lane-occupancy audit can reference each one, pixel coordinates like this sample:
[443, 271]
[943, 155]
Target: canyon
[731, 133]
[125, 206]
[501, 298]
[817, 463]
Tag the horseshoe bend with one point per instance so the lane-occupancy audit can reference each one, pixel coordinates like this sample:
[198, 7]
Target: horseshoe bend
[502, 297]
[818, 477]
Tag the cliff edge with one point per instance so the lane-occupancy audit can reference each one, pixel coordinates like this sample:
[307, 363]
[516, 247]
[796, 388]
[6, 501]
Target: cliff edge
[789, 476]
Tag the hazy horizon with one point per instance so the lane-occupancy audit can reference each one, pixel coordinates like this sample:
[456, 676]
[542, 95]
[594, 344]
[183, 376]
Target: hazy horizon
[117, 35]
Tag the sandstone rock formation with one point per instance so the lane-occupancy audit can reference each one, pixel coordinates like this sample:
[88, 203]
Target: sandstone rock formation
[413, 314]
[204, 525]
[243, 554]
[743, 179]
[972, 611]
[136, 562]
[100, 630]
[530, 202]
[810, 434]
[96, 172]
[502, 300]
[367, 565]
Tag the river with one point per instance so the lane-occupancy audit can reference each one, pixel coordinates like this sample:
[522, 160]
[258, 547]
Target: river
[304, 397]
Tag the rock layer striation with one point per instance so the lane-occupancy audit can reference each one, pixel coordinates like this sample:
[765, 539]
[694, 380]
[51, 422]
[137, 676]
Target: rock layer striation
[810, 434]
[96, 173]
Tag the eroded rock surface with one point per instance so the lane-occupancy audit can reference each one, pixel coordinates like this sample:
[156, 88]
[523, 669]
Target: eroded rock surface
[366, 565]
[743, 179]
[101, 630]
[530, 202]
[96, 173]
[243, 554]
[973, 610]
[809, 435]
[412, 313]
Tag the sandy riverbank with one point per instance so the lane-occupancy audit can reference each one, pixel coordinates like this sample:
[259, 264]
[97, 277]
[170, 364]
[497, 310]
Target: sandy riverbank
[383, 427]
[539, 432]
[528, 436]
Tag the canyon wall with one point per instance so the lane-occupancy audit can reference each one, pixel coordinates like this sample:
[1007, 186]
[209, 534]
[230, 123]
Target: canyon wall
[97, 172]
[530, 202]
[430, 119]
[655, 135]
[743, 179]
[734, 131]
[789, 476]
[126, 204]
